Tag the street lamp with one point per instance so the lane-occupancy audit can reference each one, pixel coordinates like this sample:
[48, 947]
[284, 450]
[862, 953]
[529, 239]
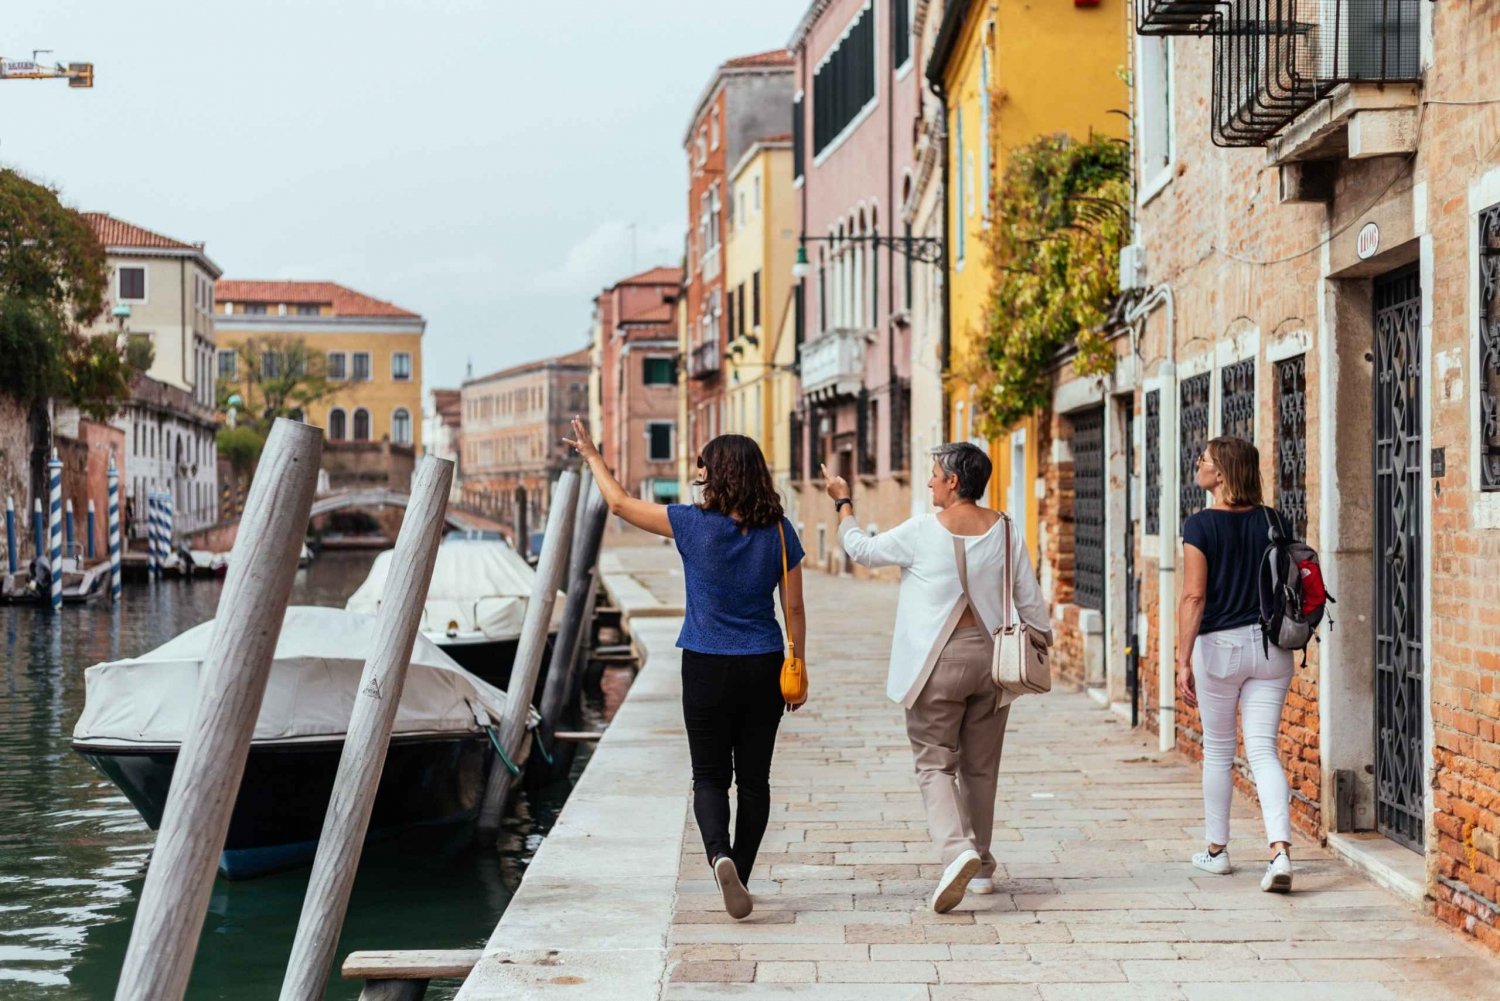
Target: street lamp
[801, 269]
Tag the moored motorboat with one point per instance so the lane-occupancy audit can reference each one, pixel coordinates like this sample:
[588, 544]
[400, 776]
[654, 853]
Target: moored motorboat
[475, 604]
[136, 712]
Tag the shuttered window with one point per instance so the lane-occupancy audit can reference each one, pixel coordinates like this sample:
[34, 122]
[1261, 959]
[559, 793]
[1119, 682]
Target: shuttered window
[845, 83]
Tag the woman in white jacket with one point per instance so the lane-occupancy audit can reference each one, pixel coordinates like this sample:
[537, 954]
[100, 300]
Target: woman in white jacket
[952, 578]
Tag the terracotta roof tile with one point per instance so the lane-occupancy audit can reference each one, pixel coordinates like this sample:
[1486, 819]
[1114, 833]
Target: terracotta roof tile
[773, 57]
[655, 276]
[780, 137]
[657, 312]
[112, 232]
[345, 301]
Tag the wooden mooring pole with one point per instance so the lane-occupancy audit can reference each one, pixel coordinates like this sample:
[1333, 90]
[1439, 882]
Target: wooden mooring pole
[528, 662]
[588, 533]
[369, 734]
[231, 684]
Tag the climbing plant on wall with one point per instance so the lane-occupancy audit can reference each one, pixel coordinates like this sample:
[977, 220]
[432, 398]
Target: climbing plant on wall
[1058, 219]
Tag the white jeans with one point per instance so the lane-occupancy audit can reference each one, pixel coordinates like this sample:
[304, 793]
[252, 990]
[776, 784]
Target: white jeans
[1231, 669]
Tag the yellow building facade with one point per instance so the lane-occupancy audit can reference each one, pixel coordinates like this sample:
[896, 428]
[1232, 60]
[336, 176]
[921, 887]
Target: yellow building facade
[372, 350]
[760, 250]
[1011, 71]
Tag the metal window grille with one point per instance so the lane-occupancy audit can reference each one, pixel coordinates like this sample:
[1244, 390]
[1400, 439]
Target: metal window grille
[1088, 509]
[1237, 400]
[901, 425]
[1488, 372]
[1153, 462]
[1194, 413]
[1291, 442]
[1174, 17]
[796, 449]
[797, 141]
[866, 421]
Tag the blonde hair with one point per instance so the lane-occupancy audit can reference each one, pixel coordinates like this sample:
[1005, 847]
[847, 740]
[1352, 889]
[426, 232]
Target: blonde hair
[1238, 462]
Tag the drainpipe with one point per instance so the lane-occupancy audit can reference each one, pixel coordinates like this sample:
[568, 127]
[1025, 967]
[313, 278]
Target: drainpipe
[1166, 558]
[943, 267]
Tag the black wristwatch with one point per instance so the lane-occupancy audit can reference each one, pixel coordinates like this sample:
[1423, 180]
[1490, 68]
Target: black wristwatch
[838, 505]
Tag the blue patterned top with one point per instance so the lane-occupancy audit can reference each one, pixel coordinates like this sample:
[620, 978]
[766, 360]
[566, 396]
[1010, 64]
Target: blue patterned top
[731, 578]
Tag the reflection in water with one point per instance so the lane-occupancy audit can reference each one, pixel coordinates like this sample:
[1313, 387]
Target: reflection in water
[73, 850]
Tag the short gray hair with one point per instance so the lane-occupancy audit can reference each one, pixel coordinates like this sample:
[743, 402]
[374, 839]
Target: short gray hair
[968, 462]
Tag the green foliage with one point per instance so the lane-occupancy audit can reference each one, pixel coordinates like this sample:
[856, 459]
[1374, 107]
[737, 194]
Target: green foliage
[53, 280]
[1059, 218]
[240, 447]
[277, 377]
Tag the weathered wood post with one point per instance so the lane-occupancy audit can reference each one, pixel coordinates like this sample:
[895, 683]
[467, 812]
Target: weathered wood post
[88, 549]
[10, 534]
[528, 662]
[369, 734]
[68, 538]
[588, 533]
[231, 683]
[523, 530]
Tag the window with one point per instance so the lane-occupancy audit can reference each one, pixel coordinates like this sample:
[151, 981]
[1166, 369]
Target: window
[729, 301]
[755, 183]
[1154, 111]
[401, 366]
[1088, 509]
[1237, 400]
[307, 309]
[401, 426]
[1153, 462]
[1487, 371]
[958, 187]
[361, 371]
[658, 372]
[338, 428]
[361, 424]
[132, 285]
[713, 130]
[755, 300]
[1291, 442]
[844, 85]
[270, 364]
[900, 32]
[740, 330]
[255, 308]
[338, 366]
[659, 436]
[228, 365]
[798, 142]
[984, 133]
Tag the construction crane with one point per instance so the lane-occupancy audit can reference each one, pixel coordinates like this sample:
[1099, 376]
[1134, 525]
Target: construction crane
[77, 74]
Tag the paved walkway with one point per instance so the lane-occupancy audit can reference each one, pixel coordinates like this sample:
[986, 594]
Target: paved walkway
[1095, 899]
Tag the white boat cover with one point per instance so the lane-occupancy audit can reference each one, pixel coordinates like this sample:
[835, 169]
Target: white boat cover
[484, 586]
[147, 700]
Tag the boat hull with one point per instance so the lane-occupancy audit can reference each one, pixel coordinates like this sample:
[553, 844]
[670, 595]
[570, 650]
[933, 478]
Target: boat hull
[278, 815]
[492, 661]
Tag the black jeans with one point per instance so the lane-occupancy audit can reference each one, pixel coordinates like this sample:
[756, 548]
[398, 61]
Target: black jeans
[732, 707]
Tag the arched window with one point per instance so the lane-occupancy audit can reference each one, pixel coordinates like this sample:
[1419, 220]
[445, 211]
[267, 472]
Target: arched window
[361, 424]
[338, 427]
[401, 426]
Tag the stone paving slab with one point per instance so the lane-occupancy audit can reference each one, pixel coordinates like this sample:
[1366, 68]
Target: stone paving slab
[1095, 901]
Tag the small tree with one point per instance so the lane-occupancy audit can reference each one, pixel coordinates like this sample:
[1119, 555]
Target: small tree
[278, 377]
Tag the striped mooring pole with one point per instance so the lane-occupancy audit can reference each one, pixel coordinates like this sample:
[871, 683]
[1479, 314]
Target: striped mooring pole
[38, 533]
[153, 534]
[54, 470]
[68, 535]
[10, 534]
[113, 515]
[88, 542]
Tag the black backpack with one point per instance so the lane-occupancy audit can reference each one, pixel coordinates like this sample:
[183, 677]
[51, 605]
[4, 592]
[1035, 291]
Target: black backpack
[1293, 598]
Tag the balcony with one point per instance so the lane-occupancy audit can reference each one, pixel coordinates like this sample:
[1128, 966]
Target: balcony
[703, 361]
[1175, 17]
[834, 364]
[1278, 60]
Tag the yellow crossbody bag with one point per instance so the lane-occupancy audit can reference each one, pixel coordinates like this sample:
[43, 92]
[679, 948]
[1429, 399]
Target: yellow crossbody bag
[793, 670]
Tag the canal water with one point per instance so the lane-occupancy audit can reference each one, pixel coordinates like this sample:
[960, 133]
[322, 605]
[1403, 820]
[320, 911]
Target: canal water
[73, 851]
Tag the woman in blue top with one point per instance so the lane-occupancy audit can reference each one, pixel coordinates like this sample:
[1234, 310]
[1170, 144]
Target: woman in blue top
[1223, 662]
[732, 647]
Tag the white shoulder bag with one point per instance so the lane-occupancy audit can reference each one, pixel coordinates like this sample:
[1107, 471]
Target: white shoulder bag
[1022, 661]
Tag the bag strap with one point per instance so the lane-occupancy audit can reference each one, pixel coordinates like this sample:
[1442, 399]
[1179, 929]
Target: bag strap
[785, 576]
[1008, 579]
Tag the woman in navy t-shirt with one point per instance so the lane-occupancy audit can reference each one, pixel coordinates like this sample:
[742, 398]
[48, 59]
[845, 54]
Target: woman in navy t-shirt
[732, 647]
[1223, 661]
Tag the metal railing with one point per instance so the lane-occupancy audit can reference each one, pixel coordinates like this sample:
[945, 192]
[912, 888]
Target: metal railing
[1273, 59]
[1175, 17]
[703, 361]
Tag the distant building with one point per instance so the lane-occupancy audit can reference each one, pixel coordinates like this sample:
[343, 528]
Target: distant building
[372, 349]
[442, 423]
[633, 402]
[162, 294]
[512, 425]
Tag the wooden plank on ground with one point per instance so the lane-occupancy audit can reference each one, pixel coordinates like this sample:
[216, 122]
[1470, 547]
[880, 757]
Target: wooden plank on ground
[410, 964]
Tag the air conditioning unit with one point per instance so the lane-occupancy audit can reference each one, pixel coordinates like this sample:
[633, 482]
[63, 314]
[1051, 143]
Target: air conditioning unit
[1132, 267]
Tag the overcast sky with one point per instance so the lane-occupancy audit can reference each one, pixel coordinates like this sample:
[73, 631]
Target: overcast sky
[479, 161]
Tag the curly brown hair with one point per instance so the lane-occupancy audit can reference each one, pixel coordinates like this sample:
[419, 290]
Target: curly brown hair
[737, 482]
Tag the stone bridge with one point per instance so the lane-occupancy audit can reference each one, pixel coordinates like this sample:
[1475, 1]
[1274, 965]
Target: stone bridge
[458, 516]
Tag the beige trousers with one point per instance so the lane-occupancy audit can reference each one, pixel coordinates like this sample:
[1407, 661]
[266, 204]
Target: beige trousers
[956, 733]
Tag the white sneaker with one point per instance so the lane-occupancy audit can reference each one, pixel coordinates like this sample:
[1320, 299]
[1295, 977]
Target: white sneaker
[1216, 864]
[982, 885]
[950, 889]
[736, 897]
[1278, 877]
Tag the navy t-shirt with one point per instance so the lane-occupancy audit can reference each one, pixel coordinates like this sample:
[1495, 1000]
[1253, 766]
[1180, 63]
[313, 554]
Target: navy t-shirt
[1234, 543]
[731, 577]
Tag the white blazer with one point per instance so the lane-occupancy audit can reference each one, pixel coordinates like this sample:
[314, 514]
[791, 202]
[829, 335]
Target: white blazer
[931, 599]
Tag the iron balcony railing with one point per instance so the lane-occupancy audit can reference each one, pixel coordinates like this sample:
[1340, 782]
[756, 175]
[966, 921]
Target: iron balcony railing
[1273, 59]
[703, 361]
[1175, 17]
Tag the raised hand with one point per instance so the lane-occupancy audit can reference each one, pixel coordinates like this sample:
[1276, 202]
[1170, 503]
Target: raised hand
[837, 486]
[582, 441]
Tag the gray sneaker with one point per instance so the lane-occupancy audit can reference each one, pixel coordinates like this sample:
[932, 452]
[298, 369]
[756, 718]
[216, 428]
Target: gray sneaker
[1278, 877]
[736, 897]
